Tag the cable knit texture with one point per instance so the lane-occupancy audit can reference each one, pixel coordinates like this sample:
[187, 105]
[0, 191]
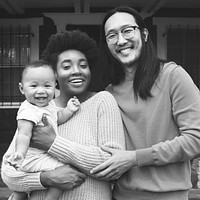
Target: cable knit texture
[98, 122]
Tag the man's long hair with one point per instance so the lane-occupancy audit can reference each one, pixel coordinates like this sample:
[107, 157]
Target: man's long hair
[148, 64]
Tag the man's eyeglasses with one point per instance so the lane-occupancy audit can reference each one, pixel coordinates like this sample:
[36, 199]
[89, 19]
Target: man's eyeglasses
[127, 33]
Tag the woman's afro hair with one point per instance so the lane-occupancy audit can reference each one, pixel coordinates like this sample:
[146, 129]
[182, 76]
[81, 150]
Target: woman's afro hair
[76, 40]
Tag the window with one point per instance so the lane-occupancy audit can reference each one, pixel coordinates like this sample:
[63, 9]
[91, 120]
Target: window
[14, 54]
[183, 47]
[178, 39]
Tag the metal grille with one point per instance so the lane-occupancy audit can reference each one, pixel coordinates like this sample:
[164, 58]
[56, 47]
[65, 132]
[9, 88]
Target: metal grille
[183, 47]
[14, 55]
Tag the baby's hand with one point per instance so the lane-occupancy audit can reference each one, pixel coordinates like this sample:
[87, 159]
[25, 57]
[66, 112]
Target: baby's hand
[15, 160]
[73, 104]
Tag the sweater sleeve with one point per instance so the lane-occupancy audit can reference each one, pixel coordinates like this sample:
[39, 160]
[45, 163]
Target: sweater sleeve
[185, 100]
[18, 180]
[110, 133]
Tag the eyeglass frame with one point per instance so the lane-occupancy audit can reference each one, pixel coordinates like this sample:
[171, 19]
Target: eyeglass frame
[121, 31]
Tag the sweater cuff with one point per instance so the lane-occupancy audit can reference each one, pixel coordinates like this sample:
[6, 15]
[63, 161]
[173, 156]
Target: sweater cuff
[144, 157]
[57, 146]
[34, 182]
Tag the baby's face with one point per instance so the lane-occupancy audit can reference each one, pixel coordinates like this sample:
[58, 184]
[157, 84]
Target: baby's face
[38, 85]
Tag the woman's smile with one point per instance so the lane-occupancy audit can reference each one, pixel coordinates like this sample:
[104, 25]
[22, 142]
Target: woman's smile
[77, 81]
[73, 72]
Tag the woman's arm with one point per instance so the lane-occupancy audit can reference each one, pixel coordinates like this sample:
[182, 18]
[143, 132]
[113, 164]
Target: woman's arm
[17, 180]
[65, 177]
[110, 134]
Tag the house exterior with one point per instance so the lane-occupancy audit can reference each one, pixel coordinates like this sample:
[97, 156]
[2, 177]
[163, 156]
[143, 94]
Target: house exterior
[174, 31]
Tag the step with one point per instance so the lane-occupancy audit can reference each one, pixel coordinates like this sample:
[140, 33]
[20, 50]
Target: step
[5, 193]
[194, 194]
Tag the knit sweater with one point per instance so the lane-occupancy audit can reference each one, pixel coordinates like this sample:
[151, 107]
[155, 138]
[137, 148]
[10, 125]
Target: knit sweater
[165, 132]
[97, 122]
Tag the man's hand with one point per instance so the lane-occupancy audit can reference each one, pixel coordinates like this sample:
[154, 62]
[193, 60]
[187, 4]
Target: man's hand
[43, 136]
[114, 167]
[65, 178]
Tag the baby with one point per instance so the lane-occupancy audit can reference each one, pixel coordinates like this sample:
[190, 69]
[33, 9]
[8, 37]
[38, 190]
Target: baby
[38, 85]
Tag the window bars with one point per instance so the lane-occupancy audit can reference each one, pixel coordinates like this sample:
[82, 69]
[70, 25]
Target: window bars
[14, 54]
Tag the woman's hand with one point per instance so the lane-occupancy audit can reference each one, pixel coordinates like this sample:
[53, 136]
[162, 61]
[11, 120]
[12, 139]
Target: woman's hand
[65, 178]
[43, 136]
[114, 167]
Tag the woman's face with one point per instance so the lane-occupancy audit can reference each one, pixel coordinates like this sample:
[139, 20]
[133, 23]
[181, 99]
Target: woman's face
[126, 51]
[73, 73]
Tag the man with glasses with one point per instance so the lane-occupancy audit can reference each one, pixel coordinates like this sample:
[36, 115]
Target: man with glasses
[160, 108]
[128, 32]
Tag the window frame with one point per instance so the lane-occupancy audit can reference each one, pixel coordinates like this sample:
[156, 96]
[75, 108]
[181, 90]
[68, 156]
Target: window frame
[34, 24]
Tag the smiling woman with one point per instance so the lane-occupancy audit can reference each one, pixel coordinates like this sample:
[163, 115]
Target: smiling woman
[96, 123]
[74, 72]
